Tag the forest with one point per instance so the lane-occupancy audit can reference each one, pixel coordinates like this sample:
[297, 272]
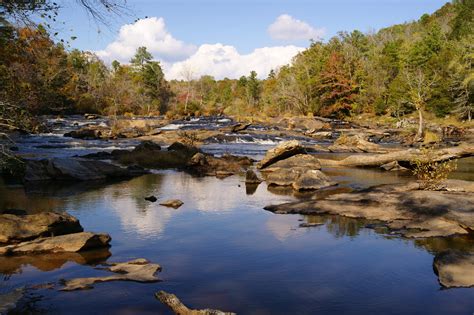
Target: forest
[423, 66]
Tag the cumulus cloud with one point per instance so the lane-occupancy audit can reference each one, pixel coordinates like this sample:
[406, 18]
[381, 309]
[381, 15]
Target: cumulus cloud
[151, 33]
[223, 61]
[288, 28]
[181, 60]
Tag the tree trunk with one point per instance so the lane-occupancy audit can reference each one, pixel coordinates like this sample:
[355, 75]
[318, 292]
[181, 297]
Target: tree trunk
[420, 133]
[404, 157]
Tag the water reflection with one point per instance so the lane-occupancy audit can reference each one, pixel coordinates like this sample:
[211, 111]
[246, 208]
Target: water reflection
[48, 262]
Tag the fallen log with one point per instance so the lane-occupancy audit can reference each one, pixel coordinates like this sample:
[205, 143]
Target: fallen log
[179, 308]
[403, 157]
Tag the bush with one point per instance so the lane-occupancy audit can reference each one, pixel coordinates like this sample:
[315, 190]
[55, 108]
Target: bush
[431, 173]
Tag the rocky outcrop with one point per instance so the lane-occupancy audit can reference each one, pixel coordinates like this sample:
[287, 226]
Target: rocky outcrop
[77, 169]
[455, 269]
[75, 242]
[18, 228]
[403, 208]
[172, 203]
[179, 308]
[355, 144]
[280, 152]
[89, 133]
[138, 270]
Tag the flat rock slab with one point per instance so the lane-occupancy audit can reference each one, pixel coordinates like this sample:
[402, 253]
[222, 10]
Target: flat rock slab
[74, 169]
[17, 228]
[282, 151]
[75, 242]
[404, 208]
[172, 203]
[138, 270]
[455, 269]
[179, 308]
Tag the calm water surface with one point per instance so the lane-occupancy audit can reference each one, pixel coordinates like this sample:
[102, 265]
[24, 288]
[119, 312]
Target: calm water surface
[221, 250]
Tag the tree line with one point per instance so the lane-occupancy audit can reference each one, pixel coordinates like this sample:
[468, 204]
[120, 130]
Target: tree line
[416, 68]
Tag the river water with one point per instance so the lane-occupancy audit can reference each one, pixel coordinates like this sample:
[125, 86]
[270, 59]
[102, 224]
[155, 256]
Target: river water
[222, 250]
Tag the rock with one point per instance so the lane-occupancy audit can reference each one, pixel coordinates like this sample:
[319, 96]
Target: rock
[282, 151]
[356, 144]
[8, 301]
[179, 308]
[312, 180]
[198, 159]
[283, 176]
[91, 116]
[151, 199]
[147, 146]
[73, 169]
[188, 150]
[14, 211]
[455, 269]
[252, 178]
[403, 208]
[306, 161]
[172, 203]
[208, 165]
[240, 127]
[138, 270]
[393, 167]
[88, 133]
[75, 242]
[17, 228]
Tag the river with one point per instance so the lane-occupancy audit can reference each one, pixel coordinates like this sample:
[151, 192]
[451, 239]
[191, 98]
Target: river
[221, 249]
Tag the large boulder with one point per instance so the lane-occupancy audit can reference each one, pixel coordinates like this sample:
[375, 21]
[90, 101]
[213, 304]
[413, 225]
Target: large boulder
[312, 180]
[75, 242]
[17, 228]
[355, 144]
[74, 169]
[148, 146]
[282, 151]
[306, 161]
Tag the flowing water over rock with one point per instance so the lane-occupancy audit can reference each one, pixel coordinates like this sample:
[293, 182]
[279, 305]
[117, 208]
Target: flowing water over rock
[220, 249]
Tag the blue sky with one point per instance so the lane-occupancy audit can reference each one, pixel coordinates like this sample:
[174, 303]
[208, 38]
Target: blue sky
[243, 25]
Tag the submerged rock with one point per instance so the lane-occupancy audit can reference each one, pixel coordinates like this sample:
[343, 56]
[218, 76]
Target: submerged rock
[179, 308]
[138, 270]
[75, 242]
[282, 151]
[17, 228]
[172, 203]
[455, 269]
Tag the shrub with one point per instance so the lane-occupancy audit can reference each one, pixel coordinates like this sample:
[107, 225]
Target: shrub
[431, 173]
[188, 137]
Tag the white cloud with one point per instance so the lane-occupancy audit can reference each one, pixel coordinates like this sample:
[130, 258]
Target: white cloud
[288, 28]
[222, 61]
[178, 57]
[151, 33]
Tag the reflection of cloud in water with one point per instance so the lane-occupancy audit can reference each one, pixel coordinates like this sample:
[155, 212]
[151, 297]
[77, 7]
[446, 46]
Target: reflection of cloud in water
[282, 227]
[145, 222]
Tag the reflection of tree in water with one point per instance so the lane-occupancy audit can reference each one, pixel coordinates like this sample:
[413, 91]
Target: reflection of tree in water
[338, 226]
[436, 245]
[10, 265]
